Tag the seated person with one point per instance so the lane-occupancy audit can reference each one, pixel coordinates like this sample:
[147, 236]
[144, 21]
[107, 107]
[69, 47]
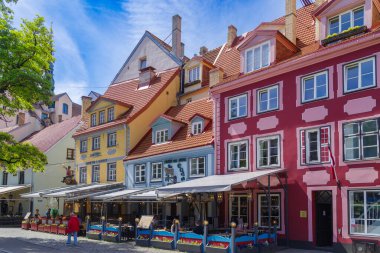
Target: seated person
[198, 229]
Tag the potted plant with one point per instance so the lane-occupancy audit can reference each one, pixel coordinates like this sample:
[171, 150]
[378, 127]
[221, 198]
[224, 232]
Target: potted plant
[94, 234]
[217, 247]
[352, 31]
[162, 242]
[111, 236]
[190, 245]
[143, 240]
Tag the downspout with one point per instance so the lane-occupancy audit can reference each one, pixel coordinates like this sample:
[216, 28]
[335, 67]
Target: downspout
[125, 145]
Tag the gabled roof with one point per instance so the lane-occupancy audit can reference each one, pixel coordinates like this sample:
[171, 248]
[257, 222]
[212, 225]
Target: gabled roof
[58, 96]
[160, 43]
[167, 117]
[127, 92]
[77, 109]
[51, 135]
[183, 139]
[106, 99]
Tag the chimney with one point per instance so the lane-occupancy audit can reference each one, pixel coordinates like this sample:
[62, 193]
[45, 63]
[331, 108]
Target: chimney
[216, 76]
[176, 36]
[290, 20]
[231, 35]
[145, 76]
[21, 118]
[86, 103]
[203, 50]
[319, 2]
[182, 49]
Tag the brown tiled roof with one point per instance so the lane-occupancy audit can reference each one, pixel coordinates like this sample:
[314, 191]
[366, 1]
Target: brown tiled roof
[212, 54]
[127, 93]
[229, 59]
[51, 135]
[183, 138]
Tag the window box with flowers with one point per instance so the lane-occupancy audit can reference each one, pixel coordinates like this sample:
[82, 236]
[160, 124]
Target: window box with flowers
[352, 31]
[190, 242]
[162, 240]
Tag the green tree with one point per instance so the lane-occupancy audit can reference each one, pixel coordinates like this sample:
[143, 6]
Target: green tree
[26, 57]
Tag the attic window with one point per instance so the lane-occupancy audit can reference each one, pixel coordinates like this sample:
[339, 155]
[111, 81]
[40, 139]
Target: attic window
[196, 128]
[257, 57]
[162, 136]
[346, 20]
[143, 63]
[194, 74]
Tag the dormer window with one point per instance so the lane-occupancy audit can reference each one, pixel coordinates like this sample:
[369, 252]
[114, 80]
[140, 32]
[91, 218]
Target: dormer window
[111, 114]
[102, 118]
[162, 136]
[93, 119]
[257, 57]
[196, 128]
[143, 63]
[346, 20]
[194, 74]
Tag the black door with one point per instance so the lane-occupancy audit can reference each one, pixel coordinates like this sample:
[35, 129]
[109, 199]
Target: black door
[323, 207]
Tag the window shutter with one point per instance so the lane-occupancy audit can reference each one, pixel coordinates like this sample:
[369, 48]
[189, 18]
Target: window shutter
[303, 147]
[324, 142]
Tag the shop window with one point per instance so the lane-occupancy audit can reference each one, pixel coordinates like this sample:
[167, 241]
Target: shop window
[197, 167]
[238, 155]
[268, 151]
[140, 173]
[237, 107]
[239, 209]
[364, 212]
[111, 171]
[315, 145]
[263, 210]
[156, 172]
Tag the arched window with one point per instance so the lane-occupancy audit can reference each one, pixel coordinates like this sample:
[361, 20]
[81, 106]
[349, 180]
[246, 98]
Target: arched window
[65, 109]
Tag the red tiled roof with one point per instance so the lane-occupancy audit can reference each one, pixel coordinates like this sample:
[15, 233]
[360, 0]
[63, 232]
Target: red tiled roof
[51, 135]
[139, 99]
[212, 54]
[183, 138]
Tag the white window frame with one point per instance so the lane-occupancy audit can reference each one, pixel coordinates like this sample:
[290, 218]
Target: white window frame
[237, 98]
[194, 73]
[111, 171]
[267, 139]
[97, 146]
[340, 19]
[155, 168]
[314, 77]
[358, 63]
[111, 139]
[252, 49]
[93, 119]
[110, 114]
[307, 145]
[197, 127]
[267, 90]
[138, 169]
[95, 177]
[162, 136]
[365, 211]
[83, 175]
[260, 196]
[238, 143]
[102, 117]
[83, 146]
[197, 168]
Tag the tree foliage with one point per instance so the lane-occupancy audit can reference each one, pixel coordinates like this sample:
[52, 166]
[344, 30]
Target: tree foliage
[15, 156]
[26, 57]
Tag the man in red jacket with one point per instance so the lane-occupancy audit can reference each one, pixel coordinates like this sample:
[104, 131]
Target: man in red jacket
[72, 229]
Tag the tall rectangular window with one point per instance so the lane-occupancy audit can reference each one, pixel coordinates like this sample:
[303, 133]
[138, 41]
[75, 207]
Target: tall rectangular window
[239, 209]
[359, 75]
[93, 119]
[83, 146]
[21, 177]
[83, 175]
[346, 20]
[70, 152]
[237, 107]
[268, 151]
[315, 87]
[5, 178]
[361, 140]
[111, 114]
[95, 173]
[111, 171]
[194, 74]
[65, 109]
[314, 145]
[197, 167]
[268, 99]
[156, 172]
[162, 136]
[275, 210]
[238, 155]
[143, 63]
[102, 117]
[96, 143]
[365, 212]
[140, 173]
[111, 142]
[257, 57]
[196, 128]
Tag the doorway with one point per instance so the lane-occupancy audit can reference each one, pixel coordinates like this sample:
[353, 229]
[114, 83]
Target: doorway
[323, 216]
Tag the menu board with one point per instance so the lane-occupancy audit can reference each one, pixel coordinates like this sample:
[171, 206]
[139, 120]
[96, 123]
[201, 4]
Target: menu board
[145, 221]
[27, 215]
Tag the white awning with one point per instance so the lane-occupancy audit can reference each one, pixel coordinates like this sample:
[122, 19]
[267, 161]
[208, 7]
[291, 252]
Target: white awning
[116, 195]
[39, 194]
[150, 195]
[64, 192]
[215, 183]
[7, 189]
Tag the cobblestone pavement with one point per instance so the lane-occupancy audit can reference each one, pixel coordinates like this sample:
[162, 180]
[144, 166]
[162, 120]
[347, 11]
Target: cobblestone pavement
[16, 240]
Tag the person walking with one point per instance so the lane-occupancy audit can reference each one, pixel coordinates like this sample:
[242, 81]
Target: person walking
[72, 229]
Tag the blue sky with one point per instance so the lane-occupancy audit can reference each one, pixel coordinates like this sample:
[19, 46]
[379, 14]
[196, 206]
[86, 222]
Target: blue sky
[94, 37]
